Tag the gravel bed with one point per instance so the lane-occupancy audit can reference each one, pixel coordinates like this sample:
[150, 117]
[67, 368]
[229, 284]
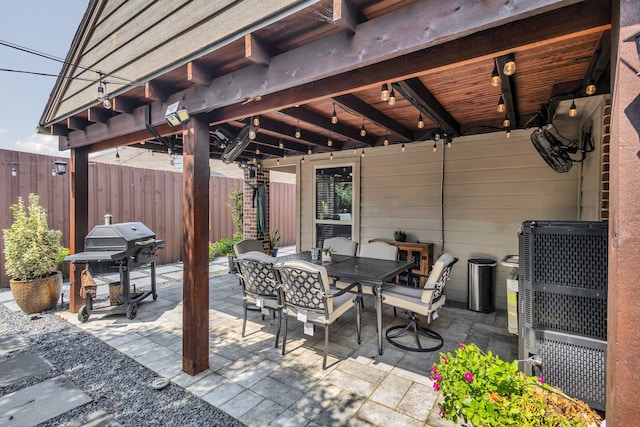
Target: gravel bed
[116, 383]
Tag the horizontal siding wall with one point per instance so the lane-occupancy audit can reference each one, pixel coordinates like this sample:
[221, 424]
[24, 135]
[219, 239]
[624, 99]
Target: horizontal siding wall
[491, 185]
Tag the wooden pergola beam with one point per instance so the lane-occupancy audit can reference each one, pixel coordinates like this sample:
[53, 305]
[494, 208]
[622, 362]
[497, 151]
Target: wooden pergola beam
[256, 50]
[321, 76]
[398, 130]
[198, 74]
[507, 84]
[429, 105]
[155, 92]
[311, 138]
[345, 16]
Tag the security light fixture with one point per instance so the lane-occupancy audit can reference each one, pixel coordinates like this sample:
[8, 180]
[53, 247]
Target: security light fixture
[60, 167]
[176, 115]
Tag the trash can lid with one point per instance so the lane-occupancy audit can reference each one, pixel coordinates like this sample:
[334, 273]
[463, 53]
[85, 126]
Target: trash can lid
[483, 261]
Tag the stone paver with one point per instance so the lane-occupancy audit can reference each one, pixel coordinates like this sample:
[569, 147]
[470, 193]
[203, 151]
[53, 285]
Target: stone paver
[10, 343]
[40, 402]
[21, 367]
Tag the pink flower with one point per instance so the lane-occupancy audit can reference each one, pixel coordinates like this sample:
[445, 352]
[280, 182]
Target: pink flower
[462, 346]
[436, 386]
[468, 376]
[434, 369]
[437, 377]
[541, 379]
[441, 413]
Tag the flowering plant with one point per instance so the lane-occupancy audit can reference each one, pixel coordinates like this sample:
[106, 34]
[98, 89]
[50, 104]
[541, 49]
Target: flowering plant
[484, 390]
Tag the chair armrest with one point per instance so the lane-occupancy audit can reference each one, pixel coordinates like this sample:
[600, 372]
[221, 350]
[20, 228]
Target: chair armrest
[346, 289]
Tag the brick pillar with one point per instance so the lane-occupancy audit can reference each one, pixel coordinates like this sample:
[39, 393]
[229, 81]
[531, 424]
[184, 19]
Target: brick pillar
[253, 178]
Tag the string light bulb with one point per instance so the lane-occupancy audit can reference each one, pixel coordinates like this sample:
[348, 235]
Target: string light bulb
[106, 104]
[329, 142]
[506, 123]
[509, 68]
[501, 107]
[302, 159]
[281, 145]
[14, 172]
[363, 131]
[495, 77]
[252, 133]
[448, 143]
[257, 151]
[334, 116]
[284, 156]
[355, 150]
[309, 151]
[573, 111]
[386, 140]
[392, 97]
[362, 155]
[508, 133]
[331, 156]
[298, 134]
[420, 122]
[117, 155]
[435, 147]
[278, 162]
[384, 92]
[402, 148]
[591, 88]
[256, 121]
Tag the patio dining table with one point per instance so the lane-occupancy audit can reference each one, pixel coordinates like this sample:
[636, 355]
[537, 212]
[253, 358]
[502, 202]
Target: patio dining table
[360, 269]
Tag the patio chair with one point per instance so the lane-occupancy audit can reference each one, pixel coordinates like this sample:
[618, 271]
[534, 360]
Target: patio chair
[415, 301]
[379, 250]
[248, 245]
[259, 286]
[307, 295]
[341, 245]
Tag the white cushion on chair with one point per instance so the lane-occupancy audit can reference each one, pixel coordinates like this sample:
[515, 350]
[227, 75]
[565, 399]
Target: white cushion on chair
[379, 250]
[406, 298]
[258, 256]
[341, 245]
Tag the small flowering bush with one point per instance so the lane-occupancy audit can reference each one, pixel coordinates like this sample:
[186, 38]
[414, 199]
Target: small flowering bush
[484, 390]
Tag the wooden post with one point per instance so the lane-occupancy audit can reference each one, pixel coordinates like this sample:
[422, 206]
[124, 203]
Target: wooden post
[195, 237]
[623, 358]
[78, 218]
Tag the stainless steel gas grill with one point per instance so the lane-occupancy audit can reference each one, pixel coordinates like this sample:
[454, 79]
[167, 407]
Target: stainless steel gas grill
[111, 248]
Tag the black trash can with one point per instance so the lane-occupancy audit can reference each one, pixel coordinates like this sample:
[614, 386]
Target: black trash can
[482, 284]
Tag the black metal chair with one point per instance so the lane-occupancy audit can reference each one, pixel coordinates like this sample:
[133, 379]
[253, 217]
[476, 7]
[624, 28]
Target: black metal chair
[259, 286]
[307, 294]
[416, 301]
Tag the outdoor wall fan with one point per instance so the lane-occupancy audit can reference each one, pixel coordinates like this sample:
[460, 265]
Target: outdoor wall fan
[559, 155]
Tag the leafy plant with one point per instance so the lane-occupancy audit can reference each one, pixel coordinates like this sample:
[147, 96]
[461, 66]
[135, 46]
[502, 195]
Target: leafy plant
[62, 253]
[224, 246]
[236, 205]
[328, 251]
[274, 239]
[31, 249]
[484, 390]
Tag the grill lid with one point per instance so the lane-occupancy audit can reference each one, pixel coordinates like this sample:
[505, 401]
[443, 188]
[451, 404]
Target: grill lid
[118, 237]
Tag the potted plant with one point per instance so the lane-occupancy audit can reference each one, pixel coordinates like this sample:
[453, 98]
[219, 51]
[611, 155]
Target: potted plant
[326, 254]
[274, 239]
[32, 252]
[400, 236]
[223, 247]
[483, 390]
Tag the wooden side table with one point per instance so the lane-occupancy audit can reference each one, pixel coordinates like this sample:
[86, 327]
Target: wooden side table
[421, 254]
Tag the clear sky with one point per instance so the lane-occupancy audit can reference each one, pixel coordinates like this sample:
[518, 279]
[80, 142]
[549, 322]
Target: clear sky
[47, 26]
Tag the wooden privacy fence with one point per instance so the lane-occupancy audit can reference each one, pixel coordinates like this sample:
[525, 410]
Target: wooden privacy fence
[153, 197]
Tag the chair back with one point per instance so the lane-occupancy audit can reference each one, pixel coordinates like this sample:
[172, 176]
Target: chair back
[304, 285]
[248, 245]
[341, 245]
[379, 250]
[439, 276]
[257, 274]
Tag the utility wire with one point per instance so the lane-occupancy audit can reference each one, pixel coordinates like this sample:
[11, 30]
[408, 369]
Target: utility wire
[57, 59]
[8, 70]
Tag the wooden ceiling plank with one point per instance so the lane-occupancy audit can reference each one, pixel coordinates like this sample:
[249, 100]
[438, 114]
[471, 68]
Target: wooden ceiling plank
[507, 84]
[225, 93]
[432, 107]
[198, 74]
[351, 134]
[345, 16]
[256, 50]
[600, 63]
[398, 131]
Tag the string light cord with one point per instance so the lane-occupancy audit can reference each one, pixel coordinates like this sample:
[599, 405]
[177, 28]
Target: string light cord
[35, 73]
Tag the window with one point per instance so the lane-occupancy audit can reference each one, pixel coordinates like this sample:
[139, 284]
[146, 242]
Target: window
[336, 204]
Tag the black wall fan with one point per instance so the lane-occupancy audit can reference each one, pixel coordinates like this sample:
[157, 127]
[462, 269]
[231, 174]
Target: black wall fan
[237, 145]
[559, 156]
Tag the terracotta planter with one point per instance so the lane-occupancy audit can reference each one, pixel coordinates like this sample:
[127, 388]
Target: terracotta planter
[35, 296]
